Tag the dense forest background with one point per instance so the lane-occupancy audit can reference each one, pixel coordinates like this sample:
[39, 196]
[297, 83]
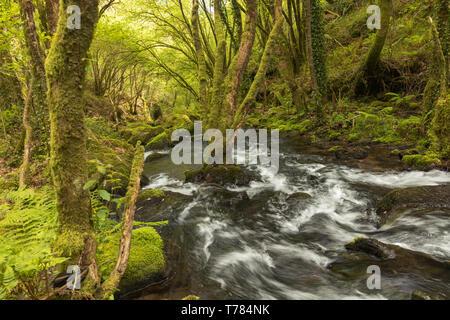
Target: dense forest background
[79, 106]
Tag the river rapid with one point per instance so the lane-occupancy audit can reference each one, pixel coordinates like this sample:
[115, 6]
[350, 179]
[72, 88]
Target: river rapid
[270, 240]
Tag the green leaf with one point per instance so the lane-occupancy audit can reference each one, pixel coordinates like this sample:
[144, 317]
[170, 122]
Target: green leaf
[105, 195]
[89, 184]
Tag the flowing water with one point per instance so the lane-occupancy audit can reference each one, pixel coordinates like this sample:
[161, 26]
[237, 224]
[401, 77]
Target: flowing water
[260, 242]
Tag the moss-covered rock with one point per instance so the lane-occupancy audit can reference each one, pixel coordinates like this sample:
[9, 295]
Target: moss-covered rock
[150, 194]
[219, 174]
[398, 202]
[140, 131]
[191, 297]
[146, 262]
[421, 161]
[161, 141]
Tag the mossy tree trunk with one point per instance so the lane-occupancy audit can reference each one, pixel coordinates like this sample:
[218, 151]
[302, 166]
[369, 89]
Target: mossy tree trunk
[240, 62]
[309, 50]
[35, 127]
[66, 69]
[27, 125]
[370, 71]
[316, 46]
[201, 62]
[217, 92]
[440, 127]
[373, 57]
[442, 28]
[264, 64]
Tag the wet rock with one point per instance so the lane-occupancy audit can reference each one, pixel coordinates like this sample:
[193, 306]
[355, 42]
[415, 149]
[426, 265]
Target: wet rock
[371, 247]
[144, 181]
[348, 153]
[399, 201]
[155, 156]
[396, 264]
[220, 174]
[299, 196]
[154, 204]
[421, 295]
[219, 196]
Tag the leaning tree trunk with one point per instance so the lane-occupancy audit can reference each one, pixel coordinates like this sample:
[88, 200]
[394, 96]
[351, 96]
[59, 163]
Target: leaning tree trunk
[369, 73]
[266, 60]
[240, 62]
[66, 69]
[202, 74]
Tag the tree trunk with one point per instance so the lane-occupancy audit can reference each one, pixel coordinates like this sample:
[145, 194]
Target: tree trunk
[51, 9]
[373, 57]
[66, 69]
[38, 95]
[440, 127]
[202, 74]
[309, 48]
[263, 66]
[240, 62]
[216, 106]
[367, 78]
[24, 168]
[442, 28]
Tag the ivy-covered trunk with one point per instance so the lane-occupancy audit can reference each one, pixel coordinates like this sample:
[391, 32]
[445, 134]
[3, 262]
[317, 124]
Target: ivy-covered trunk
[316, 45]
[66, 69]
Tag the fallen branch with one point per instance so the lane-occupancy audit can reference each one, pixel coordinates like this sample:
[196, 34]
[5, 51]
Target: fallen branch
[111, 284]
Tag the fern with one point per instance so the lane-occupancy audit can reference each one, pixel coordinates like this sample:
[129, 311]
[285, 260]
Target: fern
[27, 230]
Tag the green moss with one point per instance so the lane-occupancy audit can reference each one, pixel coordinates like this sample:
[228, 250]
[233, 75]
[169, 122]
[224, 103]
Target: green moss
[140, 131]
[336, 148]
[191, 297]
[146, 260]
[421, 161]
[161, 141]
[150, 194]
[354, 241]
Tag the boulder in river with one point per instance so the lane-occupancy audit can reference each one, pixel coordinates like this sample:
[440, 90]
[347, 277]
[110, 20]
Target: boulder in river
[154, 203]
[395, 264]
[401, 201]
[219, 174]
